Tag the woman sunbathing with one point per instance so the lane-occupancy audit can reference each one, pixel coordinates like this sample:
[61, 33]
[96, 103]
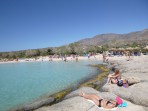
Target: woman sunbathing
[100, 102]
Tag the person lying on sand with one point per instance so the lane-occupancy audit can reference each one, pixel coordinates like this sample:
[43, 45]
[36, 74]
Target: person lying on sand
[100, 102]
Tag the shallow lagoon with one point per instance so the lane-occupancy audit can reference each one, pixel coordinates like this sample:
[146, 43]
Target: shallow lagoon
[21, 83]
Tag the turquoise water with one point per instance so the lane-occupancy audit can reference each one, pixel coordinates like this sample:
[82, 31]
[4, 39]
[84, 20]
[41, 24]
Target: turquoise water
[21, 83]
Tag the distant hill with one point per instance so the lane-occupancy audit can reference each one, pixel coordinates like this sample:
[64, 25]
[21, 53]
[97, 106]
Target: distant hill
[139, 37]
[97, 43]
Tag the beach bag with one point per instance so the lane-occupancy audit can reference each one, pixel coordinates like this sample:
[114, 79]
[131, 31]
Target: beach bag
[120, 83]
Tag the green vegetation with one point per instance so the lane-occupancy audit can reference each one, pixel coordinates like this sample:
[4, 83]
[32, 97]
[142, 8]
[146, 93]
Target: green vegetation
[58, 96]
[73, 48]
[100, 77]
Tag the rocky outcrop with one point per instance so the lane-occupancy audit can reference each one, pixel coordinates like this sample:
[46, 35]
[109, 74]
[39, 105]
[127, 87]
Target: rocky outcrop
[136, 72]
[73, 102]
[35, 105]
[136, 95]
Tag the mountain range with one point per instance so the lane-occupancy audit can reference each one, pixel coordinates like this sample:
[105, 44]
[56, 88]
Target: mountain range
[111, 39]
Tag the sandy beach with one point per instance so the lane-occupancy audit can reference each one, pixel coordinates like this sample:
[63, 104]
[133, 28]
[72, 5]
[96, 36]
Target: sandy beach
[46, 58]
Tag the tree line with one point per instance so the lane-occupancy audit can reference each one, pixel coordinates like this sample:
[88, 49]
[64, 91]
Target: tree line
[63, 50]
[73, 48]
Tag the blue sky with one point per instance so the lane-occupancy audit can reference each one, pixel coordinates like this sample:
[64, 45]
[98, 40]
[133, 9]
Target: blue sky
[31, 24]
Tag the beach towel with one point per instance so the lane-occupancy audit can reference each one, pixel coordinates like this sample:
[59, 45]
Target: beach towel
[124, 104]
[101, 107]
[120, 102]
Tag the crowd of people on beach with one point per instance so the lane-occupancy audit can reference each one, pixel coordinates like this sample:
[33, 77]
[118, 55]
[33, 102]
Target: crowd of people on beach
[76, 57]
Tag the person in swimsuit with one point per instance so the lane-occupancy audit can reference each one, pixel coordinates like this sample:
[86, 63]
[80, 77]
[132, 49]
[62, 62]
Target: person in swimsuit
[113, 78]
[116, 79]
[100, 102]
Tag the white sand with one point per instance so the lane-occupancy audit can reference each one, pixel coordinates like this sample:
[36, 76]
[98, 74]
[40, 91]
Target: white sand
[46, 58]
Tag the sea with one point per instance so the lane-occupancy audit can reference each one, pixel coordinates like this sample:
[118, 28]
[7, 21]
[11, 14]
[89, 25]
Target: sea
[24, 82]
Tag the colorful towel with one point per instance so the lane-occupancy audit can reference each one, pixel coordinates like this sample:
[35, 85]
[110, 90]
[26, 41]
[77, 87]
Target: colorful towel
[124, 104]
[119, 100]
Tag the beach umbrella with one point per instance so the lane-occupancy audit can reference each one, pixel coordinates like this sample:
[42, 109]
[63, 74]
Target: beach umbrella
[136, 48]
[113, 49]
[145, 48]
[129, 48]
[121, 49]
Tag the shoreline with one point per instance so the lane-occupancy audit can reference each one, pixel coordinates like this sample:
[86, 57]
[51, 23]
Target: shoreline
[134, 70]
[46, 58]
[121, 63]
[58, 97]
